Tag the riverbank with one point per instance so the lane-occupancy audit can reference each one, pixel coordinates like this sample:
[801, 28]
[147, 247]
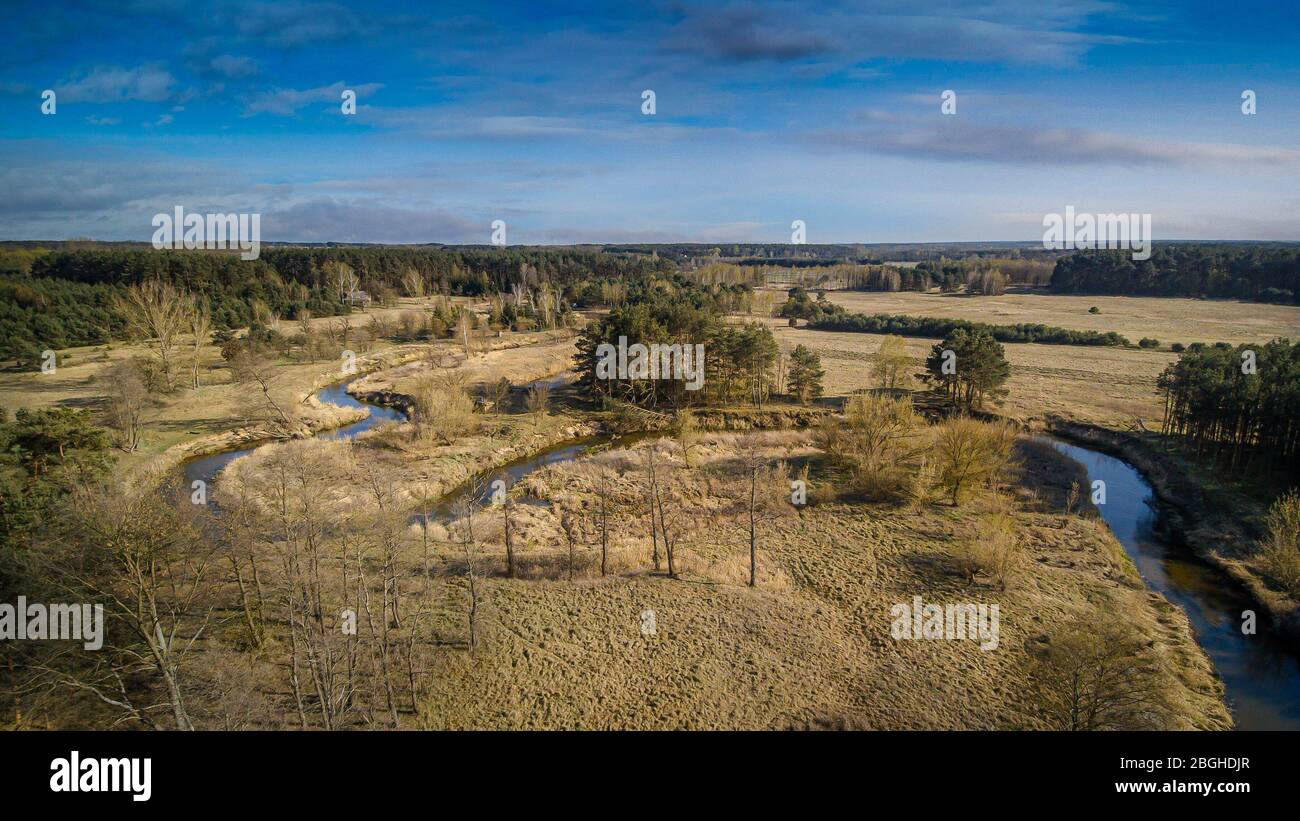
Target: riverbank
[313, 417]
[822, 570]
[811, 646]
[1192, 516]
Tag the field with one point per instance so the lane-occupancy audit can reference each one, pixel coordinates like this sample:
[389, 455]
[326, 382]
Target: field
[1168, 320]
[1112, 387]
[810, 647]
[182, 419]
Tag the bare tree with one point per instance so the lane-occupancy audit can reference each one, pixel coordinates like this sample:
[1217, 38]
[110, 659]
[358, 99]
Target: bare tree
[969, 452]
[198, 321]
[443, 409]
[892, 361]
[252, 368]
[650, 458]
[539, 400]
[510, 545]
[1102, 676]
[463, 510]
[500, 394]
[145, 563]
[662, 503]
[342, 279]
[156, 312]
[465, 331]
[765, 496]
[127, 399]
[413, 283]
[569, 523]
[600, 480]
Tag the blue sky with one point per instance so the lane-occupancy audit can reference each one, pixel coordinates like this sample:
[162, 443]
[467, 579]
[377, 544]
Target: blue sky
[766, 113]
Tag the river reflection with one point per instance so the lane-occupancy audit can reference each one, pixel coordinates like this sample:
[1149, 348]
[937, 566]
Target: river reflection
[1261, 672]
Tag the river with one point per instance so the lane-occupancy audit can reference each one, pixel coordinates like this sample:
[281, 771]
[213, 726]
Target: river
[1261, 673]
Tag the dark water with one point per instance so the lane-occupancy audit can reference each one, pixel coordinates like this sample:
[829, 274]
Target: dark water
[1261, 673]
[206, 468]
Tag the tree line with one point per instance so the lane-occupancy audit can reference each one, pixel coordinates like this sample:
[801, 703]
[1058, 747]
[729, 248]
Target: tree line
[1253, 272]
[1236, 406]
[67, 298]
[826, 316]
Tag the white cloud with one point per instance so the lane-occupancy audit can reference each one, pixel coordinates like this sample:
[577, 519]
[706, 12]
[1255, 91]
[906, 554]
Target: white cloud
[112, 84]
[286, 101]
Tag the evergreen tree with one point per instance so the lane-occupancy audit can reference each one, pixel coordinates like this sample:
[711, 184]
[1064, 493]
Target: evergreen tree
[805, 374]
[975, 369]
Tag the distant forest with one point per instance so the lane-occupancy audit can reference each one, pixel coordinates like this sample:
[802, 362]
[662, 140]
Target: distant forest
[65, 298]
[1252, 272]
[62, 295]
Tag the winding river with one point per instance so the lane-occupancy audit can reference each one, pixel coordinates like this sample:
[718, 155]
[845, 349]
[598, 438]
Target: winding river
[1260, 672]
[206, 468]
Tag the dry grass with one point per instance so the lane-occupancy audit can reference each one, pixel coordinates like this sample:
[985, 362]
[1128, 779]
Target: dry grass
[541, 355]
[811, 645]
[1167, 319]
[220, 405]
[1101, 385]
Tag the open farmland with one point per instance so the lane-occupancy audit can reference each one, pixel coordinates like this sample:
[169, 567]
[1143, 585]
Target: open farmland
[1166, 319]
[1109, 386]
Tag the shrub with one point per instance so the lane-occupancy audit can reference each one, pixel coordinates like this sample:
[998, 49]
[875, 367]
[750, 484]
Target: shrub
[1100, 676]
[1281, 549]
[1177, 347]
[1148, 342]
[443, 409]
[1094, 310]
[971, 454]
[992, 549]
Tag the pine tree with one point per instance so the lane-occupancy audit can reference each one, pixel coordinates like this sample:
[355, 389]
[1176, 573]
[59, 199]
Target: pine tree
[805, 374]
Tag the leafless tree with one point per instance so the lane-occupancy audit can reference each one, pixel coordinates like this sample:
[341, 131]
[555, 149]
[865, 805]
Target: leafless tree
[463, 510]
[509, 537]
[198, 322]
[465, 331]
[539, 400]
[570, 524]
[145, 563]
[663, 502]
[650, 459]
[127, 399]
[342, 279]
[1102, 676]
[500, 394]
[254, 369]
[156, 312]
[600, 480]
[765, 496]
[413, 283]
